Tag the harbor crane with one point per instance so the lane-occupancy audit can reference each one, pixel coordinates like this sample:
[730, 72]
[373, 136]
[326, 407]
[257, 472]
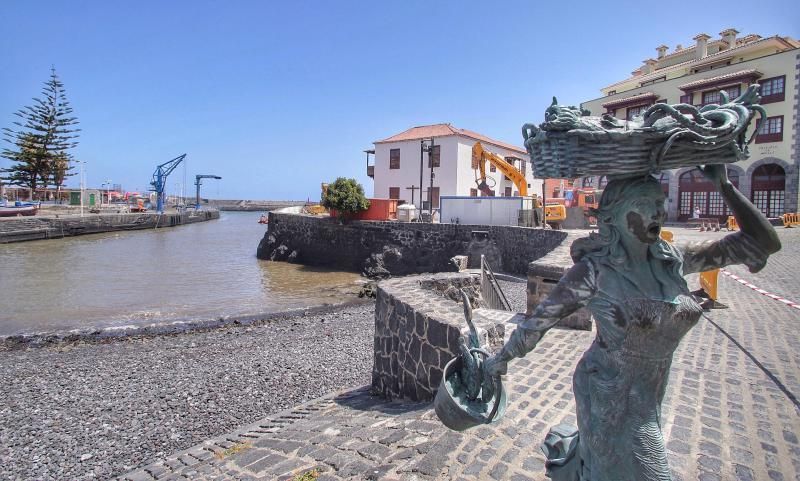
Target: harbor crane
[198, 182]
[159, 181]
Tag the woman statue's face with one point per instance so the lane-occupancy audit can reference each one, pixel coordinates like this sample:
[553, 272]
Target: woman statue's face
[643, 214]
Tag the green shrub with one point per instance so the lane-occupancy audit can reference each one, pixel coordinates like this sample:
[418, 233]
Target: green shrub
[346, 196]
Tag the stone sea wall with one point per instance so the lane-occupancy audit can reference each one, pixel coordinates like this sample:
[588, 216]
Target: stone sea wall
[20, 229]
[380, 249]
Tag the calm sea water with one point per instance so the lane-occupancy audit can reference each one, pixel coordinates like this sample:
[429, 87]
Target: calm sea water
[197, 271]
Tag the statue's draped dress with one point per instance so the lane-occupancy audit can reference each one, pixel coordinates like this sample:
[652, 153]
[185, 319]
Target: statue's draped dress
[620, 381]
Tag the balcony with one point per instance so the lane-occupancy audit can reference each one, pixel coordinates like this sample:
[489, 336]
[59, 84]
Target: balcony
[370, 168]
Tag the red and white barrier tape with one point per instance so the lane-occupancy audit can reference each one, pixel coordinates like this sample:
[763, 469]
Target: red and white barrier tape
[760, 290]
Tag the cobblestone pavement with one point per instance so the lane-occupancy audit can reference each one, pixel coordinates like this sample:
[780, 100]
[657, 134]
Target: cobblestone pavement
[731, 410]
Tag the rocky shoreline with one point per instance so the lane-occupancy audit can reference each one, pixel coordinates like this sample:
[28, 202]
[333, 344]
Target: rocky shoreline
[108, 334]
[93, 410]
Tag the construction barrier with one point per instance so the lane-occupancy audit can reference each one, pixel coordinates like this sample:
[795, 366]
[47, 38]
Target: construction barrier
[791, 220]
[732, 224]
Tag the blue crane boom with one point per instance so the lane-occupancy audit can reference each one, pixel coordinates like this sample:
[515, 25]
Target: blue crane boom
[198, 182]
[159, 181]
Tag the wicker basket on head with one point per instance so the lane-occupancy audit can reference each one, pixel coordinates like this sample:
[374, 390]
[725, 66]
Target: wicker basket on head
[572, 144]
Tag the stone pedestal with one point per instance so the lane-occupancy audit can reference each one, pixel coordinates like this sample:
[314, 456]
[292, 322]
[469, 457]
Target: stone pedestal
[418, 321]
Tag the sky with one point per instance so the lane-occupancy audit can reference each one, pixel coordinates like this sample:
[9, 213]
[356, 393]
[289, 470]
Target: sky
[277, 97]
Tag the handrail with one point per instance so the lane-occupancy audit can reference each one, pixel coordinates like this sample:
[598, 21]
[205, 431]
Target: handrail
[490, 289]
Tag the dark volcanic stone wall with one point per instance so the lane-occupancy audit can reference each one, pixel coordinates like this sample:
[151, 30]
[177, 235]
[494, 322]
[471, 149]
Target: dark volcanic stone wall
[417, 326]
[379, 249]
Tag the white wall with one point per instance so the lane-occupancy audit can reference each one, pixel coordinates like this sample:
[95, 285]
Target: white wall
[455, 175]
[480, 210]
[408, 173]
[467, 175]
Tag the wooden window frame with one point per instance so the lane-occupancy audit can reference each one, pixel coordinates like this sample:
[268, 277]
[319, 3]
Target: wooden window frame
[435, 156]
[773, 97]
[394, 161]
[394, 193]
[719, 95]
[642, 108]
[772, 137]
[687, 99]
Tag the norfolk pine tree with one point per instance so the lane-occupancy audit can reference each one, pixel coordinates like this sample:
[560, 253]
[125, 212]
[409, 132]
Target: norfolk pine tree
[41, 139]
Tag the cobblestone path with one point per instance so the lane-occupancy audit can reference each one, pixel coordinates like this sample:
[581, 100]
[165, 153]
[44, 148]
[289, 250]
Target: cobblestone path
[731, 410]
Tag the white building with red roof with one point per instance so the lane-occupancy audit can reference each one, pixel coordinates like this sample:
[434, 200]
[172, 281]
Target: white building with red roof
[397, 173]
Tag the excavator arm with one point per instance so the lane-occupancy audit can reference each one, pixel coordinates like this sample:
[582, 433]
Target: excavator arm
[481, 156]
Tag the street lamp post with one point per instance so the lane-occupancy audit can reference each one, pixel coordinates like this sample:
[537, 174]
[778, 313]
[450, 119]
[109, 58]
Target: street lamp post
[107, 185]
[82, 183]
[429, 149]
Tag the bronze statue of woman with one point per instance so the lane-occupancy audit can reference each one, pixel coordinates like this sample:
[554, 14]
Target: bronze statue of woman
[632, 282]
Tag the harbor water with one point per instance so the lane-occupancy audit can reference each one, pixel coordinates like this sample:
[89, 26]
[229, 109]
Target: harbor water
[201, 271]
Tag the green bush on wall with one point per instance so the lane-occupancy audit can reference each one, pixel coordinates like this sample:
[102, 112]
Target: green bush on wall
[346, 196]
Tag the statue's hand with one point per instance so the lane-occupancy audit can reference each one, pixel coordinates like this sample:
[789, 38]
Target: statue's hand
[717, 174]
[493, 367]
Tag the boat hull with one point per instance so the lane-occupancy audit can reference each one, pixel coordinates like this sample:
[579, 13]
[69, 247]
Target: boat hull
[26, 210]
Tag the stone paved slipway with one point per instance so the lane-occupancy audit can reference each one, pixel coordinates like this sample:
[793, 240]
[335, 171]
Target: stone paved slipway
[730, 412]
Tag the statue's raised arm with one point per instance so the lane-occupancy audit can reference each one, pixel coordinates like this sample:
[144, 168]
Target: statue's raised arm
[751, 246]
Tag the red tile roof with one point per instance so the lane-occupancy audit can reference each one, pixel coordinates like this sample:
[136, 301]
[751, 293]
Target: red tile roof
[630, 100]
[444, 130]
[748, 73]
[787, 42]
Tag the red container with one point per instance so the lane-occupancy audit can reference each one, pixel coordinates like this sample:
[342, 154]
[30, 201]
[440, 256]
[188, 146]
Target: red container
[379, 209]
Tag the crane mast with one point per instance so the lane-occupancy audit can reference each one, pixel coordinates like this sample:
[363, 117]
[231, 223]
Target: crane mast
[159, 181]
[198, 182]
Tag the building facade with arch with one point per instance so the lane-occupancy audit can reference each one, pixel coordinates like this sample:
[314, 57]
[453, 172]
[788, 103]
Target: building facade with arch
[696, 75]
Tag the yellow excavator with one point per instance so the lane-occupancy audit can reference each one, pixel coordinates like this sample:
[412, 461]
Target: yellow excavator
[318, 209]
[480, 156]
[554, 214]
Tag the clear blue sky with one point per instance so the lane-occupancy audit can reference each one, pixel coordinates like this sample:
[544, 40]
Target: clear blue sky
[277, 97]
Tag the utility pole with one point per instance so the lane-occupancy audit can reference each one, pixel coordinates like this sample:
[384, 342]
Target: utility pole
[422, 149]
[430, 190]
[414, 188]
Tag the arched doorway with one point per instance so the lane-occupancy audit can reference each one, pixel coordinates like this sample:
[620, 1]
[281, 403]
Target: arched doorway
[695, 192]
[769, 189]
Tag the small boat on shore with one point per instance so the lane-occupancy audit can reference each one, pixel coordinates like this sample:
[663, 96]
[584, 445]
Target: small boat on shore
[19, 209]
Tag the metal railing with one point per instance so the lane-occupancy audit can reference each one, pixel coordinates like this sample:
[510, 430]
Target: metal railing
[490, 289]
